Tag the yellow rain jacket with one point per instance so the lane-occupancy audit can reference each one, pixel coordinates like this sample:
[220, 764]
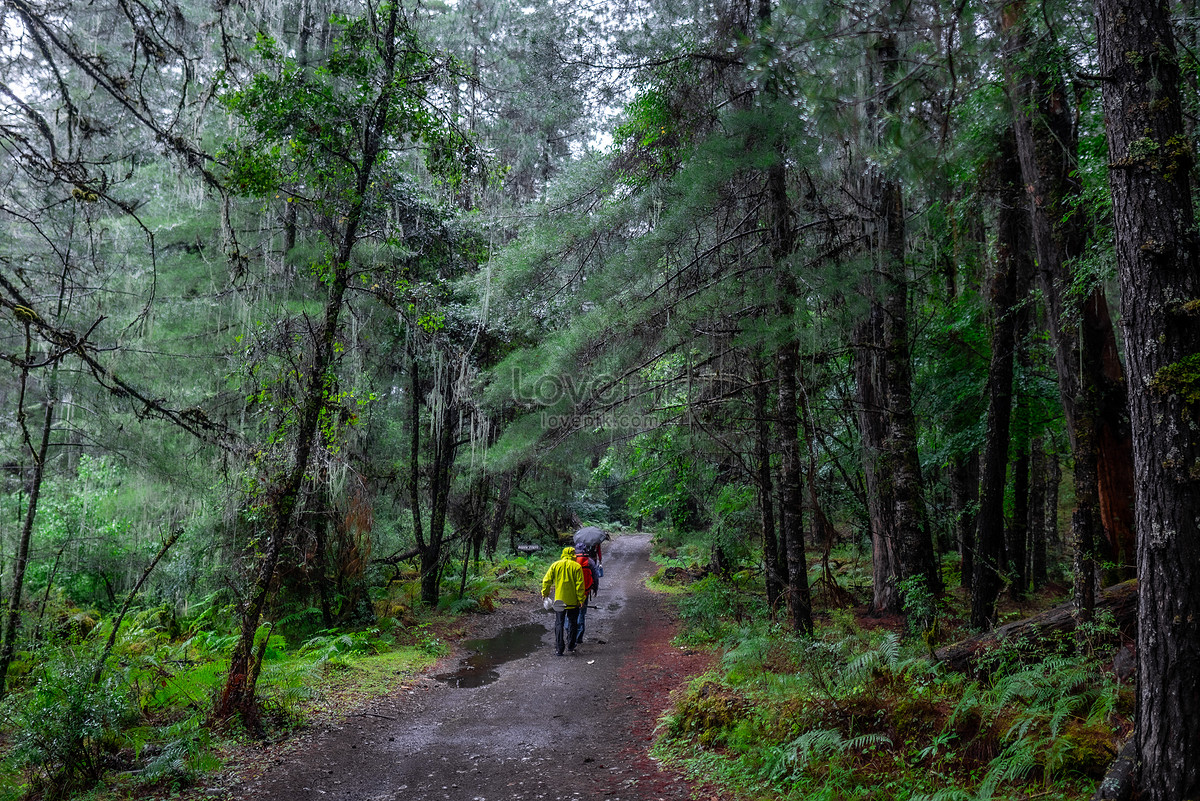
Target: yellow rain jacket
[565, 580]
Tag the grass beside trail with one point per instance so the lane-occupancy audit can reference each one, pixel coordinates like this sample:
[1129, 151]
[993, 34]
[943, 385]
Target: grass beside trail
[861, 712]
[144, 730]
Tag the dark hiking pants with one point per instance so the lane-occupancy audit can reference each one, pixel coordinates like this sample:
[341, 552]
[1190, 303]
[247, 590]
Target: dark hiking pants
[570, 616]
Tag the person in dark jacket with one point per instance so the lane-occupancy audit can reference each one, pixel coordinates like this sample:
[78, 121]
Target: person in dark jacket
[564, 583]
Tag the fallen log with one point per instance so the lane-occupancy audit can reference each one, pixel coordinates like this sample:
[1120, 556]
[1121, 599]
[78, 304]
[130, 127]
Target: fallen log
[1119, 599]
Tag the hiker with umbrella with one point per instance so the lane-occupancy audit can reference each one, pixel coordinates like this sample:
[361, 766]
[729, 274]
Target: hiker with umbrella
[587, 554]
[589, 538]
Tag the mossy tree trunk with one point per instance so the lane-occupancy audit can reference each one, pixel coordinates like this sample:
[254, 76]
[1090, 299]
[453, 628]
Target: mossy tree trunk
[1158, 265]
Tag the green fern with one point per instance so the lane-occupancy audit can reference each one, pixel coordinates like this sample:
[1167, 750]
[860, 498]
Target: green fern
[1013, 764]
[945, 794]
[971, 700]
[828, 743]
[884, 657]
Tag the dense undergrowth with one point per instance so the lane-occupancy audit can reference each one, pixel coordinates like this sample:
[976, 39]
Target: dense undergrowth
[141, 726]
[861, 711]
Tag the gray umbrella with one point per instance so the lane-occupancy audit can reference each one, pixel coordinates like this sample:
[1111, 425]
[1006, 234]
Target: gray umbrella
[589, 537]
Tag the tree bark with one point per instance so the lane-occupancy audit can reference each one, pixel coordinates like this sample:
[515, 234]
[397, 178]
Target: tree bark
[765, 489]
[781, 240]
[439, 486]
[791, 508]
[414, 455]
[1159, 270]
[898, 477]
[871, 389]
[21, 562]
[914, 543]
[1118, 781]
[964, 493]
[504, 485]
[791, 511]
[1013, 248]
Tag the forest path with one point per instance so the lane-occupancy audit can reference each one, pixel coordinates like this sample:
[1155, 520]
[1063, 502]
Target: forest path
[549, 728]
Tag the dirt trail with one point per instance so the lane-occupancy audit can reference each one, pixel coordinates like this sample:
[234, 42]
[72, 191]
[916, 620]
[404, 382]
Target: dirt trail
[550, 728]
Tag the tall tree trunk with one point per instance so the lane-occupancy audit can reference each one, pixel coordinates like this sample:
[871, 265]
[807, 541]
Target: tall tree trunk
[964, 494]
[1013, 248]
[504, 485]
[782, 243]
[871, 390]
[914, 542]
[439, 486]
[237, 696]
[39, 452]
[765, 489]
[1159, 269]
[1018, 534]
[1089, 374]
[414, 465]
[791, 509]
[898, 474]
[1018, 528]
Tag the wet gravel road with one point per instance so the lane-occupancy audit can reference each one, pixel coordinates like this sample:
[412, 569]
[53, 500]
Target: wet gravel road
[548, 728]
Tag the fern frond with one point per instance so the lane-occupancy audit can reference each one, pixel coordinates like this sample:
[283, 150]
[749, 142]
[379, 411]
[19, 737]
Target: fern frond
[1014, 763]
[889, 651]
[866, 741]
[945, 794]
[817, 742]
[972, 699]
[1063, 708]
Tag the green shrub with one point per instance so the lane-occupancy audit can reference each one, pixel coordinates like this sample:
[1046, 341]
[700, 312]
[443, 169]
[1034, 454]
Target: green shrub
[181, 753]
[715, 610]
[64, 725]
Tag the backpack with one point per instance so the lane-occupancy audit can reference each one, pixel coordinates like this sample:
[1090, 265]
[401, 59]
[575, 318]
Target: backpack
[589, 573]
[593, 552]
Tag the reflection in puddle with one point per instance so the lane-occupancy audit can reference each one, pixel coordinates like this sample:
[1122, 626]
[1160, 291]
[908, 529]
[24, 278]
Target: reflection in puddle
[479, 667]
[614, 606]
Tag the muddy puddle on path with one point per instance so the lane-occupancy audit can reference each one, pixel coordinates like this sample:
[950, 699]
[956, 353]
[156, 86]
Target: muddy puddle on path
[480, 666]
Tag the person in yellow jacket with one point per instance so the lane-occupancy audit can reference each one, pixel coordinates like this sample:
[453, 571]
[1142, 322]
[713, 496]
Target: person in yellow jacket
[564, 583]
